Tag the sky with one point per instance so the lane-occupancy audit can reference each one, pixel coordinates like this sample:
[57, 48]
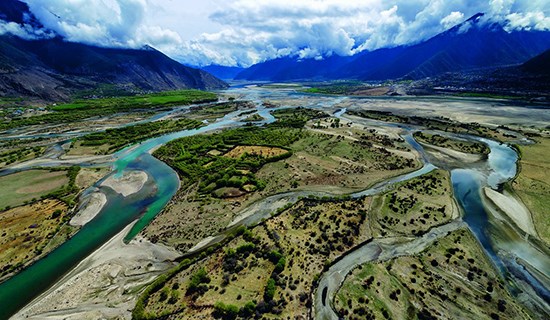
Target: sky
[244, 32]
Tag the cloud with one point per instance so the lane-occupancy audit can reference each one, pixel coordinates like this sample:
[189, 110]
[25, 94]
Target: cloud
[452, 19]
[244, 32]
[111, 23]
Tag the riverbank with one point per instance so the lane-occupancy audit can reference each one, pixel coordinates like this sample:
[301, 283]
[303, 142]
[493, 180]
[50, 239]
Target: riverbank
[103, 285]
[513, 208]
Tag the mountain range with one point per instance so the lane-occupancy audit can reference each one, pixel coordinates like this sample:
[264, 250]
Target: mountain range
[54, 69]
[475, 43]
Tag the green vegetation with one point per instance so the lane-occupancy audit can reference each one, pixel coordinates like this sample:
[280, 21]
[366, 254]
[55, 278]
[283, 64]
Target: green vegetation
[120, 137]
[488, 95]
[200, 159]
[452, 279]
[82, 109]
[161, 99]
[198, 282]
[295, 117]
[20, 154]
[69, 191]
[415, 206]
[217, 110]
[24, 187]
[533, 184]
[254, 118]
[457, 145]
[439, 123]
[139, 313]
[337, 88]
[270, 270]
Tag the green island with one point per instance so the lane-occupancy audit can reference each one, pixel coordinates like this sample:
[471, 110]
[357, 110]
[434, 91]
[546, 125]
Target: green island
[453, 144]
[113, 139]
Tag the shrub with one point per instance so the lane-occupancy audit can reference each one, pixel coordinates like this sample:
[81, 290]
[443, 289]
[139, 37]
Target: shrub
[225, 311]
[197, 279]
[269, 290]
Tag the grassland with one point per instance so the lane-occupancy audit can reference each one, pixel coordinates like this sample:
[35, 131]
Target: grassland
[343, 88]
[82, 109]
[36, 223]
[414, 206]
[533, 184]
[439, 123]
[113, 139]
[453, 279]
[453, 144]
[26, 231]
[269, 270]
[215, 187]
[19, 188]
[217, 110]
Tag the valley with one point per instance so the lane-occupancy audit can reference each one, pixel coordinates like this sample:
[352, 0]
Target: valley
[266, 215]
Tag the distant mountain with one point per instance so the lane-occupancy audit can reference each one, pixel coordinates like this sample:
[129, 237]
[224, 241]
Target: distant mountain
[470, 45]
[53, 69]
[222, 72]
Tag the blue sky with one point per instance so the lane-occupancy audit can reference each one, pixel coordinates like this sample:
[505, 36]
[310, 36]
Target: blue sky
[243, 32]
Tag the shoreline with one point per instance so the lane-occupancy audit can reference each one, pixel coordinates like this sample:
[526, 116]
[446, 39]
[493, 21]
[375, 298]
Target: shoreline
[129, 183]
[513, 209]
[100, 285]
[92, 207]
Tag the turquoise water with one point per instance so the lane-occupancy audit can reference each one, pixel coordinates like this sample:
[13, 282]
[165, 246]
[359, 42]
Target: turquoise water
[118, 213]
[115, 216]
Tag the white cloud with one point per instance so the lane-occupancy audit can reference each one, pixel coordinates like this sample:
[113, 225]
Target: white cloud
[452, 19]
[244, 32]
[118, 23]
[528, 21]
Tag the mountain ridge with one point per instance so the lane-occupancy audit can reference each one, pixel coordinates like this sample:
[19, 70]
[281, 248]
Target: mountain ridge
[475, 43]
[52, 69]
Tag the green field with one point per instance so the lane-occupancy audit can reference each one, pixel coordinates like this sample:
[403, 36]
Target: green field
[533, 184]
[17, 188]
[141, 101]
[457, 145]
[82, 109]
[120, 137]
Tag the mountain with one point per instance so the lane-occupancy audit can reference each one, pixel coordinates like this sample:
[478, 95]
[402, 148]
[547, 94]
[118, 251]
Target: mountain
[539, 64]
[475, 43]
[53, 69]
[223, 72]
[528, 81]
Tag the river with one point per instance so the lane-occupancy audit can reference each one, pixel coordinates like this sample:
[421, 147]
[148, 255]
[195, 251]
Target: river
[163, 184]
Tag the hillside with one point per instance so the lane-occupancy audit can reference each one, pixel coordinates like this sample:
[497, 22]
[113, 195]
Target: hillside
[539, 64]
[53, 69]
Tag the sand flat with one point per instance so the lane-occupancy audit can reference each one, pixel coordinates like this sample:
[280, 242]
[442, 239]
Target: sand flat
[513, 209]
[131, 182]
[94, 204]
